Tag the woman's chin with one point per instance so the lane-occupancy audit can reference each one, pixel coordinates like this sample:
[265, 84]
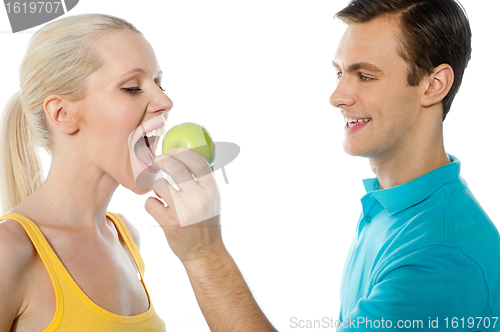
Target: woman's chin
[135, 188]
[141, 191]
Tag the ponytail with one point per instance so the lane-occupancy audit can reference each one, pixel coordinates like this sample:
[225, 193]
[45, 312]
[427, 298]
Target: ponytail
[21, 168]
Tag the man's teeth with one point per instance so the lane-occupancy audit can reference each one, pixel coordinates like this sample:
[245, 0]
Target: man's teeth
[156, 132]
[351, 122]
[356, 120]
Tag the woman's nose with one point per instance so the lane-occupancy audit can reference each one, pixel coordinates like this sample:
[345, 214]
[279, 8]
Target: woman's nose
[160, 103]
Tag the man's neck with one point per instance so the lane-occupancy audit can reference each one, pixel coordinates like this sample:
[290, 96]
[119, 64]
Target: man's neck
[410, 163]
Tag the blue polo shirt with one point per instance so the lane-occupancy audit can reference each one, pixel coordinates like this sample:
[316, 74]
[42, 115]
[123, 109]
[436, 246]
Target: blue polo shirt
[423, 251]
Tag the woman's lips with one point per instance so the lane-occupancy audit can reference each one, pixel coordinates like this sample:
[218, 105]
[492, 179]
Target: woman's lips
[141, 156]
[148, 126]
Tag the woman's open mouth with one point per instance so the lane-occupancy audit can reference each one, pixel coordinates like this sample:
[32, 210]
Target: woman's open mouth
[145, 147]
[143, 144]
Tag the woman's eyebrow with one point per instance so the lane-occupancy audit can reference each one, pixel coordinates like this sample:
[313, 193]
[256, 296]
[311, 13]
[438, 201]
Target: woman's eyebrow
[135, 70]
[141, 71]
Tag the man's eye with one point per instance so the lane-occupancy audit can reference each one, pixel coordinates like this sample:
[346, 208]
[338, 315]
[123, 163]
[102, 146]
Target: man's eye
[339, 75]
[366, 78]
[132, 90]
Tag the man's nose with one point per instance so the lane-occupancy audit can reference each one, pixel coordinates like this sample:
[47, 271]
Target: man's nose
[343, 95]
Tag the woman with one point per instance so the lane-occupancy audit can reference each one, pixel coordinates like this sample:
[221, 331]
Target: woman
[87, 82]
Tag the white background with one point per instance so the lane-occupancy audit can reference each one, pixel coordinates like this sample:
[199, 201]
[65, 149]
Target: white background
[258, 73]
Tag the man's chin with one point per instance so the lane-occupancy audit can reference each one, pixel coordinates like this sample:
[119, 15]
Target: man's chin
[351, 149]
[356, 151]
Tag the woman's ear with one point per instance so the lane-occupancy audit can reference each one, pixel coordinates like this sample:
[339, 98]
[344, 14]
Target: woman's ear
[61, 113]
[437, 85]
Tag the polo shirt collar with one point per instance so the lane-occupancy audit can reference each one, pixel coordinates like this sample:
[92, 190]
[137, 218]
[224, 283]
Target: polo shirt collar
[401, 197]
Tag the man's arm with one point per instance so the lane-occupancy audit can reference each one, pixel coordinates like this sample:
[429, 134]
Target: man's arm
[219, 287]
[224, 296]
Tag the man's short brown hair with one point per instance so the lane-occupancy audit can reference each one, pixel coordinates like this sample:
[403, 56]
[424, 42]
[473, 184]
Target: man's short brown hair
[432, 32]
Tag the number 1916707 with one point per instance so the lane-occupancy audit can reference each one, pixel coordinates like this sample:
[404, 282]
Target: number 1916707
[33, 7]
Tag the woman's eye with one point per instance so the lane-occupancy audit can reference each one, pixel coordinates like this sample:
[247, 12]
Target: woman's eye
[162, 89]
[132, 90]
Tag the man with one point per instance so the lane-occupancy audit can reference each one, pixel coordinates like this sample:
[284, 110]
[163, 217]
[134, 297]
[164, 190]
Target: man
[424, 252]
[425, 255]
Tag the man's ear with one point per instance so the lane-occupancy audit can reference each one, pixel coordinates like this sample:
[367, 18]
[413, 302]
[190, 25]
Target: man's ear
[437, 85]
[61, 113]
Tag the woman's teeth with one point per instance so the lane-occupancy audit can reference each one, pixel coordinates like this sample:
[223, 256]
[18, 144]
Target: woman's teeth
[156, 132]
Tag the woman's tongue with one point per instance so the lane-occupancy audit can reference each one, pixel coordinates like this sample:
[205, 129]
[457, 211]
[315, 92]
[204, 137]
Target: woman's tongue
[143, 152]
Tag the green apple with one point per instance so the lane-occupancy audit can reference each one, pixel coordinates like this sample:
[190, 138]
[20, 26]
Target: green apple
[192, 136]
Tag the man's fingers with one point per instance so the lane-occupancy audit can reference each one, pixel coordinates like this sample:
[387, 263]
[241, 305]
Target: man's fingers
[165, 216]
[165, 191]
[197, 165]
[177, 170]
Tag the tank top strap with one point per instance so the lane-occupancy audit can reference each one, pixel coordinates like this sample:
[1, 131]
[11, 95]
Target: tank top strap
[44, 251]
[129, 241]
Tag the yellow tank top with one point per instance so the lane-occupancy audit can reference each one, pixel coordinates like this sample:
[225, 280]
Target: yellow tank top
[75, 311]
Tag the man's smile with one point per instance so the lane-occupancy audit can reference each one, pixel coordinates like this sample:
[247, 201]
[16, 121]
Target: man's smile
[355, 124]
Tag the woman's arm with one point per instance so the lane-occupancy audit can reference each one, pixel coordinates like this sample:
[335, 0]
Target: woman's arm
[16, 253]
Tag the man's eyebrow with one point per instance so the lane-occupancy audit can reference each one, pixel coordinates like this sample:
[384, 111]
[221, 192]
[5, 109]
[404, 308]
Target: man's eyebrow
[360, 65]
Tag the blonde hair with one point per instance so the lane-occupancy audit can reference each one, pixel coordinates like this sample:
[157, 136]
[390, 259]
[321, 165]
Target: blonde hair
[58, 59]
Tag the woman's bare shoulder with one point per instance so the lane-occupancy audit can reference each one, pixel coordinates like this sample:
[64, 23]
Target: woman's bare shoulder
[13, 233]
[134, 232]
[16, 255]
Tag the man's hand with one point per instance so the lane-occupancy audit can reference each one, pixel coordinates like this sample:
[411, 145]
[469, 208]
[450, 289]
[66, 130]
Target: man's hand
[191, 218]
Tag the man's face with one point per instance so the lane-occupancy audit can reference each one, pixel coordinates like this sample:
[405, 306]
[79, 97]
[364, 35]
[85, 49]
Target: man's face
[372, 89]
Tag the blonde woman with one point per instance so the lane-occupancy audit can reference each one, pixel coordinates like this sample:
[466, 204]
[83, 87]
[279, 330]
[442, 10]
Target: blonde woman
[86, 82]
